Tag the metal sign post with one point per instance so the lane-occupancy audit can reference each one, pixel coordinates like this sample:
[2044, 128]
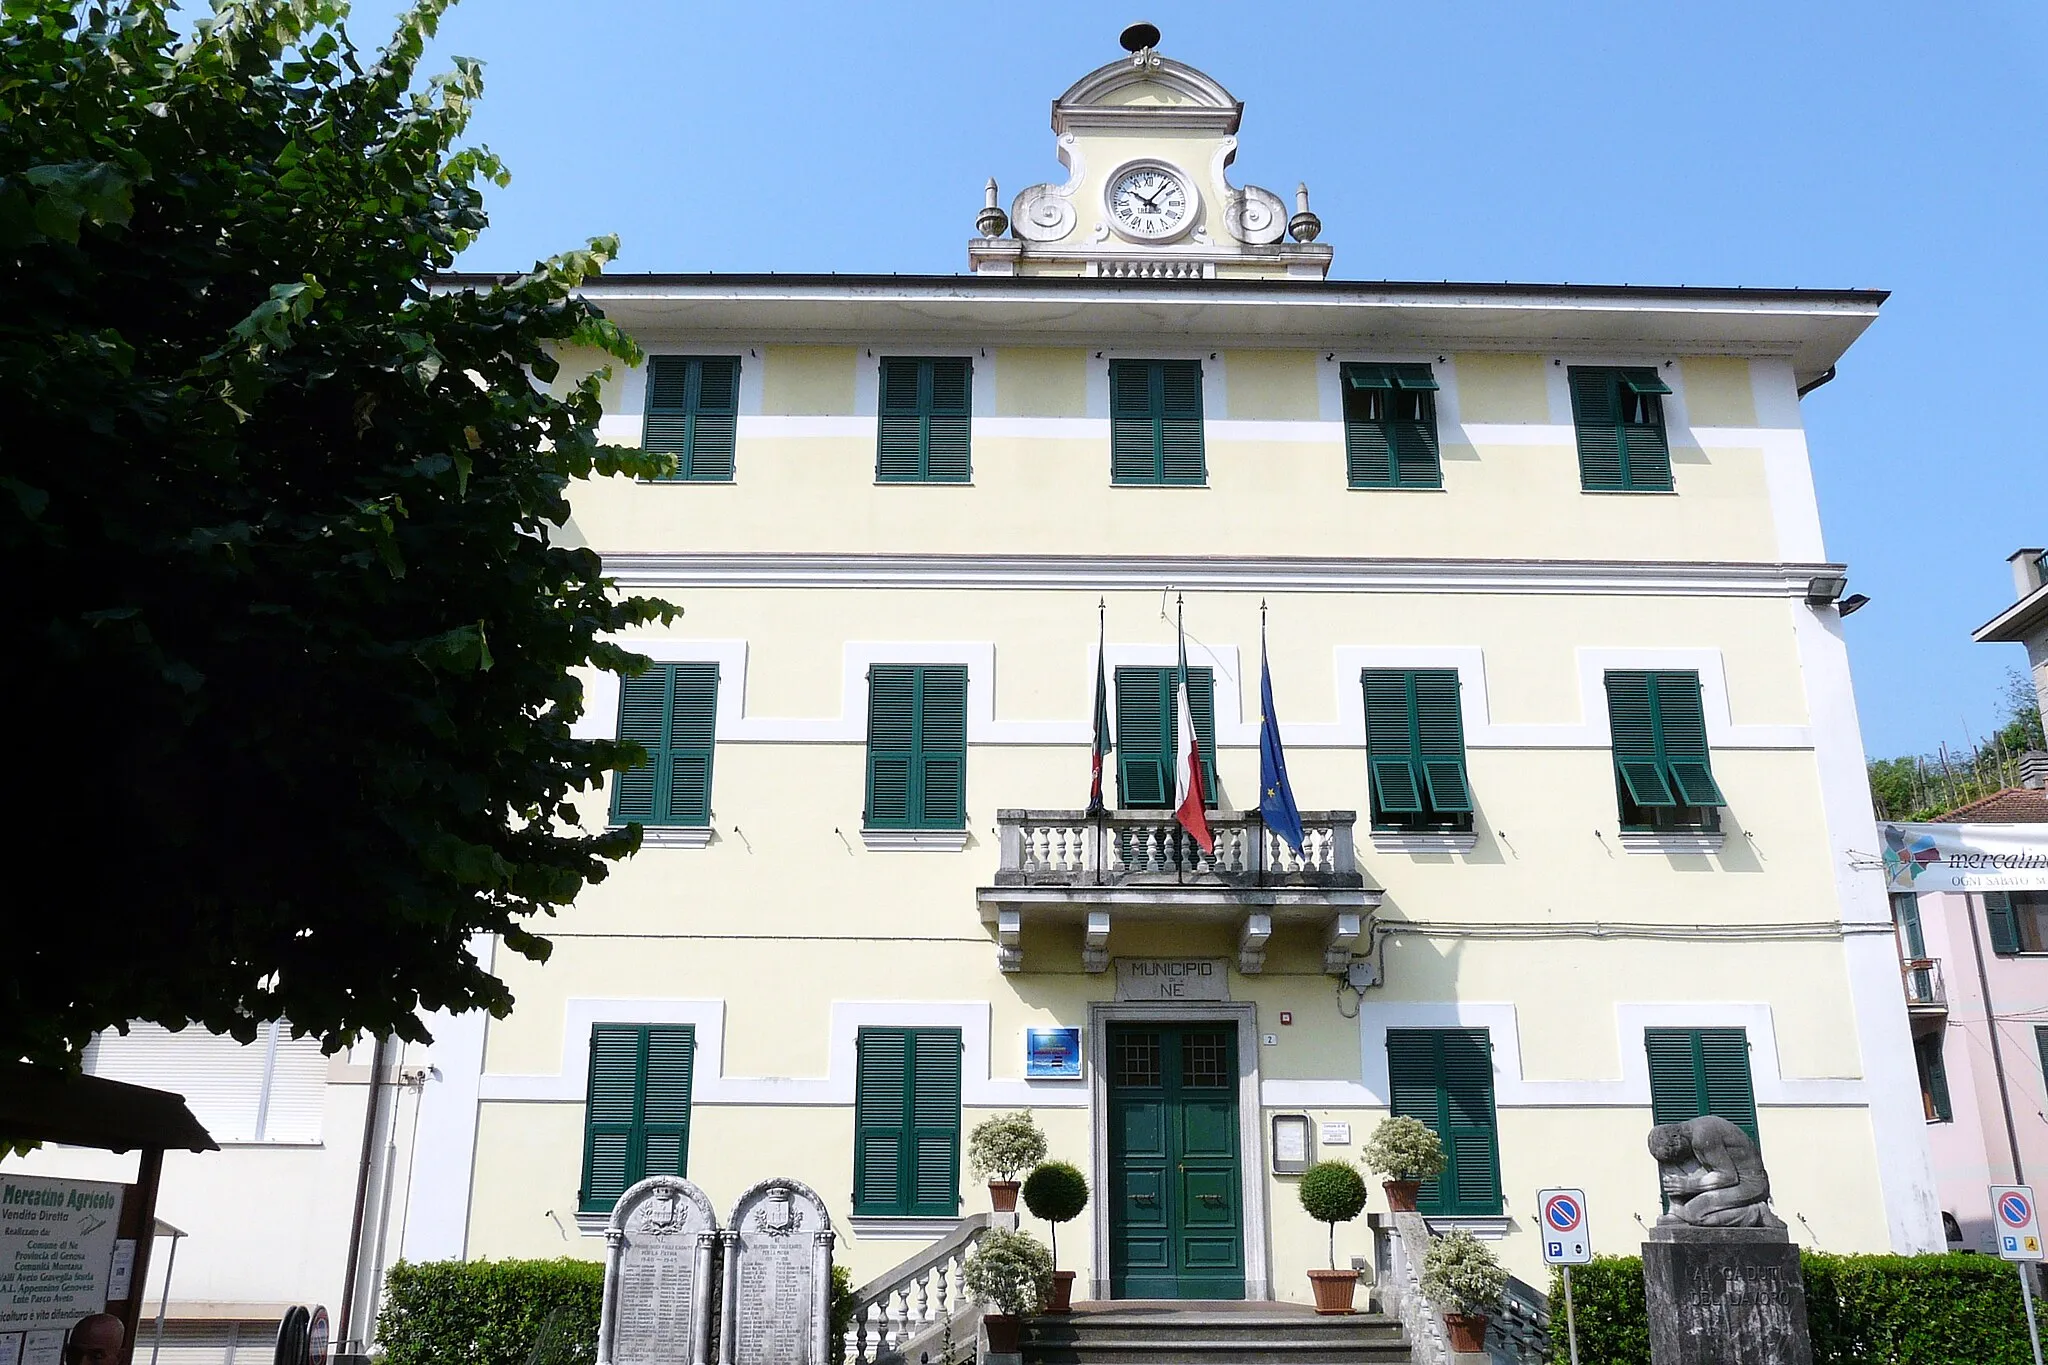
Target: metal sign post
[1566, 1243]
[2019, 1241]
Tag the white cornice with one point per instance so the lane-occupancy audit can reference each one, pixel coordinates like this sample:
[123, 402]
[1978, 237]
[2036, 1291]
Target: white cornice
[661, 569]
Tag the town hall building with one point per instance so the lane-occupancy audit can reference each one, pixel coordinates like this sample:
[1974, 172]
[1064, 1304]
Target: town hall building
[1555, 650]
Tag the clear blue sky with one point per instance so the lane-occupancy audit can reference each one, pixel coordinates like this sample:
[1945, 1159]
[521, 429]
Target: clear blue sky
[1820, 144]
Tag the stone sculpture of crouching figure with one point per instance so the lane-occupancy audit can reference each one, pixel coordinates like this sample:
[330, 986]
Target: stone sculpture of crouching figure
[1712, 1175]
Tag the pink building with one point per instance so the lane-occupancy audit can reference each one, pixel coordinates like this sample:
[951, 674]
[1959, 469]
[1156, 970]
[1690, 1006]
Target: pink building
[1974, 960]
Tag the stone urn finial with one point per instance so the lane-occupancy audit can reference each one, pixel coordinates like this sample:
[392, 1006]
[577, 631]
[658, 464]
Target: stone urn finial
[991, 221]
[1304, 225]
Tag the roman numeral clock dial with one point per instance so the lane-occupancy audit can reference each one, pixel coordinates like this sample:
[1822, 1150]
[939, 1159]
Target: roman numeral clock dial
[1150, 203]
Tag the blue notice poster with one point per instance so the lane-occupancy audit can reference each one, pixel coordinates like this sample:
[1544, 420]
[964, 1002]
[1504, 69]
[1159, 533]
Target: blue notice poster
[1052, 1054]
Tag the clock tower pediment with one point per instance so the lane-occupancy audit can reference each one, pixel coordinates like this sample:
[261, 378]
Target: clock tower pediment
[1147, 141]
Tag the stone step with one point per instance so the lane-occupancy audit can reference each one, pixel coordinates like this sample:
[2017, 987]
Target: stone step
[1156, 1333]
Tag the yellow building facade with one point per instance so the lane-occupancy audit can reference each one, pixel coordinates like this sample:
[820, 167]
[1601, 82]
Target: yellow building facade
[1554, 651]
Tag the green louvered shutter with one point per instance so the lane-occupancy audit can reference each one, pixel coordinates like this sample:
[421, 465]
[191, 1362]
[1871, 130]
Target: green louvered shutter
[1682, 727]
[892, 744]
[1155, 412]
[1934, 1076]
[1368, 436]
[1416, 460]
[1180, 423]
[1143, 751]
[1444, 1077]
[1133, 434]
[2041, 1048]
[1146, 742]
[907, 1123]
[611, 1106]
[1390, 755]
[925, 421]
[1700, 1071]
[1645, 454]
[693, 414]
[1596, 415]
[935, 1119]
[2002, 922]
[950, 422]
[1638, 768]
[643, 720]
[881, 1106]
[939, 794]
[671, 711]
[665, 1105]
[899, 457]
[1440, 741]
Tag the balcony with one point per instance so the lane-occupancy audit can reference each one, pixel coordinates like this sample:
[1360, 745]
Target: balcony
[1064, 866]
[1925, 995]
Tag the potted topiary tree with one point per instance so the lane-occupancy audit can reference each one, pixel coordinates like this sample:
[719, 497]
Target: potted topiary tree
[1333, 1193]
[1000, 1147]
[1013, 1273]
[1057, 1193]
[1407, 1152]
[1460, 1276]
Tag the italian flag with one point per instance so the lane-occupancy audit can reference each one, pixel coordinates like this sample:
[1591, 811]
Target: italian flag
[1187, 784]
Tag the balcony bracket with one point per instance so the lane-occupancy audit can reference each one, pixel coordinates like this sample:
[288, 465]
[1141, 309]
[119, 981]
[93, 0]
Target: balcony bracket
[1341, 941]
[1010, 940]
[1095, 943]
[1251, 943]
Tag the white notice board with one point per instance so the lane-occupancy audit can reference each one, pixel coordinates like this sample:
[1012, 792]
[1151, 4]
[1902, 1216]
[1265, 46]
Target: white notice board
[56, 1248]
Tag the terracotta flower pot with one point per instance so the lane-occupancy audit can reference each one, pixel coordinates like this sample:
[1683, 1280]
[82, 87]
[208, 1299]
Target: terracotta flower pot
[1467, 1331]
[1002, 1195]
[1334, 1289]
[1401, 1194]
[1062, 1292]
[1005, 1334]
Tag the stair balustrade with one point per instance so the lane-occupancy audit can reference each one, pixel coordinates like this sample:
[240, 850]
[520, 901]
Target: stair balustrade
[909, 1311]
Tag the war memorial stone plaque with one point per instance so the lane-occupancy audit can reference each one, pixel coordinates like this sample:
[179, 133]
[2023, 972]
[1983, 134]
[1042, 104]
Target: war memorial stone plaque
[778, 1277]
[658, 1276]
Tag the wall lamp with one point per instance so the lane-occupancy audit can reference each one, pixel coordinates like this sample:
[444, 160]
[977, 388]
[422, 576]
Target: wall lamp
[1823, 589]
[1853, 603]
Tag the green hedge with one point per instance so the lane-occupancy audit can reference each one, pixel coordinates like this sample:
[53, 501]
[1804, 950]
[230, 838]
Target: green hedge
[1862, 1310]
[491, 1313]
[511, 1312]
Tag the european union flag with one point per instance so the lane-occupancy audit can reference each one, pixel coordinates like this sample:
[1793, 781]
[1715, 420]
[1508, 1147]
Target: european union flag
[1276, 794]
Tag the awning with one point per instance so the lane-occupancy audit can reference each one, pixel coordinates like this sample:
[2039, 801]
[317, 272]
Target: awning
[41, 1105]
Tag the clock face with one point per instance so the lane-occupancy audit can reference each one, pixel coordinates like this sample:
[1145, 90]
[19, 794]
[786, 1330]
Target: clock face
[1149, 201]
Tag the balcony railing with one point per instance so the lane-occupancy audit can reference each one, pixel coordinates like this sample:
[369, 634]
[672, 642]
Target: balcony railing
[1924, 990]
[1149, 848]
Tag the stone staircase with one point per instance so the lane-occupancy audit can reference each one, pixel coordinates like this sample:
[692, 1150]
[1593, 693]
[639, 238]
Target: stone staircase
[1156, 1332]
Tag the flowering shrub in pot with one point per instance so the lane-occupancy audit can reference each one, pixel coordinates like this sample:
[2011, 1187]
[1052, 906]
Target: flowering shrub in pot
[998, 1148]
[1407, 1152]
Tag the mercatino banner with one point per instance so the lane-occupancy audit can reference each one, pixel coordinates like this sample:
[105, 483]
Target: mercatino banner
[1965, 857]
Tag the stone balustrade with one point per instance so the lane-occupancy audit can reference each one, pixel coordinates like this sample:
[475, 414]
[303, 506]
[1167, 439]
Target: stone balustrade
[1139, 848]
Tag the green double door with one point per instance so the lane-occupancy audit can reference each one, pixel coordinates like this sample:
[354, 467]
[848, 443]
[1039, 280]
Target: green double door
[1176, 1216]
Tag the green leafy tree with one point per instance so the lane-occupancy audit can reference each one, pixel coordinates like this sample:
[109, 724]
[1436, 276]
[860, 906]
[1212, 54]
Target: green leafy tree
[290, 635]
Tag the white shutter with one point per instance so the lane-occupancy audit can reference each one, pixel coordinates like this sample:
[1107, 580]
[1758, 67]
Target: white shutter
[208, 1343]
[223, 1081]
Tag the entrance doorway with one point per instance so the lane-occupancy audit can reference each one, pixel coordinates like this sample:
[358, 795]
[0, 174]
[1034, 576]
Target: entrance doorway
[1174, 1180]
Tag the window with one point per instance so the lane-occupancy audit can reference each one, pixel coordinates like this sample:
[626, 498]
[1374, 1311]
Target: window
[1390, 427]
[1619, 415]
[1445, 1078]
[917, 746]
[2041, 1047]
[693, 405]
[1147, 756]
[671, 711]
[636, 1116]
[1934, 1077]
[1415, 750]
[1155, 422]
[1663, 776]
[271, 1090]
[906, 1157]
[1696, 1071]
[2018, 921]
[926, 411]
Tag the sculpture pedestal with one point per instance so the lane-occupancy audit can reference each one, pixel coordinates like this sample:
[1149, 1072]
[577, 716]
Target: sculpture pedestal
[1725, 1296]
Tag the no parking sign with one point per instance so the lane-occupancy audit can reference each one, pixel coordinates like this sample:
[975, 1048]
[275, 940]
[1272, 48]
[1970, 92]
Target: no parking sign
[1562, 1214]
[2017, 1221]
